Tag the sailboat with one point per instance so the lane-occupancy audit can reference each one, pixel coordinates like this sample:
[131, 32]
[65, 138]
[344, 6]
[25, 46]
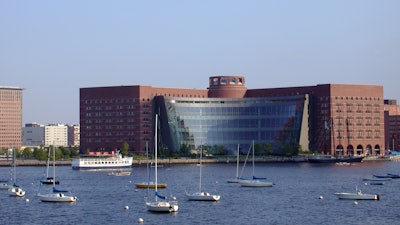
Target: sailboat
[255, 182]
[56, 195]
[148, 183]
[160, 203]
[5, 185]
[15, 190]
[237, 178]
[201, 195]
[49, 179]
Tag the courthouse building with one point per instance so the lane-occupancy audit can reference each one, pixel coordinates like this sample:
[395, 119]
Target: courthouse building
[339, 119]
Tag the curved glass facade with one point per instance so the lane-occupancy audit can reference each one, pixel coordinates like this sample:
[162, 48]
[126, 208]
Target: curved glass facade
[229, 122]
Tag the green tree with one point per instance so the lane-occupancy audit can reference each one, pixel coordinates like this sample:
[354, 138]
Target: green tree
[268, 149]
[125, 148]
[40, 154]
[27, 153]
[59, 153]
[287, 150]
[257, 149]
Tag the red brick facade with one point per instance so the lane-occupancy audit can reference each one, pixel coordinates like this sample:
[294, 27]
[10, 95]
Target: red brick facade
[344, 119]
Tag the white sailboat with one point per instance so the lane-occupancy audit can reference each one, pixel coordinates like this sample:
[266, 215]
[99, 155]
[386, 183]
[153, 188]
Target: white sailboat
[5, 184]
[56, 195]
[202, 195]
[15, 190]
[237, 178]
[160, 203]
[255, 182]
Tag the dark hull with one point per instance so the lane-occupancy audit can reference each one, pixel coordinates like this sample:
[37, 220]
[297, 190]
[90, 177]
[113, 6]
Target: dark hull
[336, 160]
[50, 181]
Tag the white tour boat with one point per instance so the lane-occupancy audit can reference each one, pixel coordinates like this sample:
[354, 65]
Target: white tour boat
[102, 160]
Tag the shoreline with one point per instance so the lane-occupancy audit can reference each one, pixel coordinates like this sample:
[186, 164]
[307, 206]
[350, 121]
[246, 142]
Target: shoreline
[228, 159]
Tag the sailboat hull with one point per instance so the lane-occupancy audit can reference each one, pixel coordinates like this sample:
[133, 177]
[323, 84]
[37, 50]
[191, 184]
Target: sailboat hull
[202, 196]
[255, 183]
[150, 185]
[49, 180]
[56, 197]
[4, 186]
[162, 206]
[16, 191]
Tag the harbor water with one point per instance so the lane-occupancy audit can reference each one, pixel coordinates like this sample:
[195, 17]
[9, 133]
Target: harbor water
[303, 193]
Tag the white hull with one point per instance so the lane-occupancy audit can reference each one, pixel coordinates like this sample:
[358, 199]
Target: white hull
[357, 196]
[162, 206]
[56, 197]
[202, 196]
[16, 192]
[377, 179]
[119, 174]
[102, 162]
[5, 186]
[255, 183]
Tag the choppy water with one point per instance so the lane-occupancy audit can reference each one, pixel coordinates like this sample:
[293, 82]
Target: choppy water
[294, 199]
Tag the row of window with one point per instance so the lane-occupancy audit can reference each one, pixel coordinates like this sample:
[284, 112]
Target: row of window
[355, 98]
[224, 80]
[109, 101]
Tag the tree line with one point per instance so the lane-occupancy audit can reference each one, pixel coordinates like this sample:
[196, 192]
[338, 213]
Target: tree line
[41, 153]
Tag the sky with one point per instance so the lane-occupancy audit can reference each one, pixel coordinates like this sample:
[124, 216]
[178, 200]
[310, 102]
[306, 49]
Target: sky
[51, 49]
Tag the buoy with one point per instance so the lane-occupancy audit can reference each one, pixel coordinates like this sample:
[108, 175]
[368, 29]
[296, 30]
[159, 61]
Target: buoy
[27, 200]
[140, 220]
[126, 207]
[320, 197]
[355, 203]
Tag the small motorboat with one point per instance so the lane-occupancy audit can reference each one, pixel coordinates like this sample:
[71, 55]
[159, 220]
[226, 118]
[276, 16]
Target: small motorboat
[358, 195]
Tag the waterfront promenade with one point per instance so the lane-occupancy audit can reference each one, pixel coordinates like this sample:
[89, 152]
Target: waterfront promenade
[227, 159]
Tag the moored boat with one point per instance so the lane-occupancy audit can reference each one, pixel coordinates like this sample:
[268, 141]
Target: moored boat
[202, 196]
[160, 203]
[102, 160]
[150, 185]
[335, 159]
[255, 183]
[56, 195]
[358, 195]
[377, 179]
[119, 173]
[4, 185]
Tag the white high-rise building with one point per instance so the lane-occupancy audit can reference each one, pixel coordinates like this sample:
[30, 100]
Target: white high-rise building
[56, 135]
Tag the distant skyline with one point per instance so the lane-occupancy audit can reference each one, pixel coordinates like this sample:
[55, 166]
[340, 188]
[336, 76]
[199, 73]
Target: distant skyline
[51, 49]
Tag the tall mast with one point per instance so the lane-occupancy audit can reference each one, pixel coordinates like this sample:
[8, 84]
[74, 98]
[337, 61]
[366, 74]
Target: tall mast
[155, 154]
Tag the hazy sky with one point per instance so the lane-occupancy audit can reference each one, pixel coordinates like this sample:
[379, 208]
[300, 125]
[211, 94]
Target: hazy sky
[53, 48]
